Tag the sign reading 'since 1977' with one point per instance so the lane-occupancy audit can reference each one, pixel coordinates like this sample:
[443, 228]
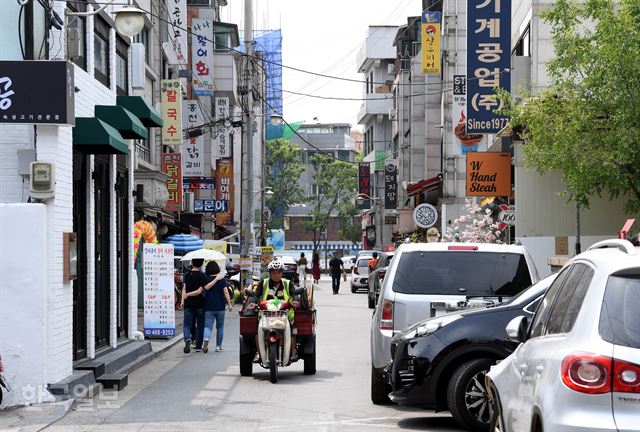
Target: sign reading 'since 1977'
[37, 92]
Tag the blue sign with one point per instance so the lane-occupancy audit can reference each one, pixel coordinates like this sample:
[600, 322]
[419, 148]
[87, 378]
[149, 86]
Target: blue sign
[488, 63]
[211, 206]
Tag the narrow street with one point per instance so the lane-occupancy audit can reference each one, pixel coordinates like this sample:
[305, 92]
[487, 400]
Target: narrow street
[206, 392]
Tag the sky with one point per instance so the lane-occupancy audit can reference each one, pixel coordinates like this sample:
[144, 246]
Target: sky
[322, 36]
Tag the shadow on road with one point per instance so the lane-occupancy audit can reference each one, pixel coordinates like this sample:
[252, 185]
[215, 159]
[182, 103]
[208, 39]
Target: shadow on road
[295, 376]
[429, 423]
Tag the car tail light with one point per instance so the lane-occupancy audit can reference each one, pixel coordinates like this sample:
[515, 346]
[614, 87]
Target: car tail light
[355, 270]
[381, 274]
[386, 322]
[467, 248]
[626, 377]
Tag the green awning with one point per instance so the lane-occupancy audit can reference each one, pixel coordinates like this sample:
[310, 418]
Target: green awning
[93, 136]
[123, 120]
[141, 109]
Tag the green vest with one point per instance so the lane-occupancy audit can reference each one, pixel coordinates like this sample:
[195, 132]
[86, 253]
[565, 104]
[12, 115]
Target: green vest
[285, 293]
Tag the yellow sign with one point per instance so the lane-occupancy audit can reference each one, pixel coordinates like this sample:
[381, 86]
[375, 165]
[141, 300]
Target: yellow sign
[219, 246]
[431, 42]
[171, 112]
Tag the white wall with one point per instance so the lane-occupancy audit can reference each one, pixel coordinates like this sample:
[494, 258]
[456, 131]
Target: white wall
[24, 292]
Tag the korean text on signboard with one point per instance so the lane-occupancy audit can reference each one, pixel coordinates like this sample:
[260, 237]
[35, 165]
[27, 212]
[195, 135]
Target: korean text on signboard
[199, 183]
[211, 206]
[488, 63]
[488, 174]
[364, 184]
[26, 97]
[171, 112]
[158, 289]
[391, 186]
[172, 166]
[224, 190]
[222, 144]
[202, 57]
[193, 147]
[178, 27]
[467, 142]
[431, 42]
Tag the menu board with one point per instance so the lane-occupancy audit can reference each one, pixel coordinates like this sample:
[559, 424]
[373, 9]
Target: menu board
[159, 310]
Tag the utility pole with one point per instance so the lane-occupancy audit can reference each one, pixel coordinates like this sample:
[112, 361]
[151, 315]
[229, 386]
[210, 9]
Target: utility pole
[246, 225]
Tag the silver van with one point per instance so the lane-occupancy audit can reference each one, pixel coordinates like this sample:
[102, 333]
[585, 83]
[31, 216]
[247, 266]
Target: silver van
[430, 279]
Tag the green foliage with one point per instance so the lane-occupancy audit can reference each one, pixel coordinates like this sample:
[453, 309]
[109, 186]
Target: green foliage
[586, 123]
[283, 167]
[336, 183]
[350, 227]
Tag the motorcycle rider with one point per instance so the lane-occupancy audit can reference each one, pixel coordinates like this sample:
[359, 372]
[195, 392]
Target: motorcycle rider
[277, 287]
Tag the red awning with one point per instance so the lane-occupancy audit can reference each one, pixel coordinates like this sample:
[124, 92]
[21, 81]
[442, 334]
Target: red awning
[426, 185]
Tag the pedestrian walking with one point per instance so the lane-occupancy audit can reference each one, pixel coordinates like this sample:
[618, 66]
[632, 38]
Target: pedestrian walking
[337, 269]
[193, 305]
[302, 269]
[315, 267]
[217, 300]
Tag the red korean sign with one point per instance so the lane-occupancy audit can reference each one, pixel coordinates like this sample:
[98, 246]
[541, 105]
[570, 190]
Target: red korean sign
[224, 190]
[172, 166]
[364, 184]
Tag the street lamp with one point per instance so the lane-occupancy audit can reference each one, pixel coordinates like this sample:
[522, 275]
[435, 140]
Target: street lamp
[129, 19]
[276, 119]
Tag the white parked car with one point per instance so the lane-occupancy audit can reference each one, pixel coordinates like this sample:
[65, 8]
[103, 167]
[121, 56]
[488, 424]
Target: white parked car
[349, 262]
[360, 273]
[578, 368]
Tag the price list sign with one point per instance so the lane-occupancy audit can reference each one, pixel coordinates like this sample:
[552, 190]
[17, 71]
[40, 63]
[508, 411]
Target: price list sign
[159, 312]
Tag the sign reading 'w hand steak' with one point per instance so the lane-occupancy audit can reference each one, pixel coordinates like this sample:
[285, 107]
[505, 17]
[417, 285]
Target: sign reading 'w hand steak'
[488, 174]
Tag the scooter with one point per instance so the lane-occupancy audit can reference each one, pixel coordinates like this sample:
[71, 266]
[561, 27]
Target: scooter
[3, 382]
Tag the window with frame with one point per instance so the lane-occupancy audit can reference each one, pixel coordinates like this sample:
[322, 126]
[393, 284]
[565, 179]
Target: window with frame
[79, 23]
[569, 300]
[542, 313]
[143, 38]
[143, 150]
[523, 47]
[101, 51]
[122, 67]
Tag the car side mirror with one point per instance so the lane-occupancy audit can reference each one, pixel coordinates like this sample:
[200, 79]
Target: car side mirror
[517, 329]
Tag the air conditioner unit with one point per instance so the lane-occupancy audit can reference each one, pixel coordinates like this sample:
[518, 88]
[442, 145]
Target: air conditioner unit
[137, 66]
[188, 202]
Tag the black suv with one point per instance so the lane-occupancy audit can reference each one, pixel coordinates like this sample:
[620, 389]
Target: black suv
[440, 363]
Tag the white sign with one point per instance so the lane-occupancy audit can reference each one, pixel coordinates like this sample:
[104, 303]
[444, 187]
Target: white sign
[178, 27]
[222, 145]
[202, 57]
[507, 216]
[192, 148]
[425, 215]
[159, 308]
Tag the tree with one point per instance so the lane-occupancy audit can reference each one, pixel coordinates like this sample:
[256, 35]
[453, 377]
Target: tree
[477, 226]
[350, 228]
[336, 184]
[284, 167]
[586, 124]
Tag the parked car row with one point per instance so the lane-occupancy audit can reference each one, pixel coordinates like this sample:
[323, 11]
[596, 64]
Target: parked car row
[457, 329]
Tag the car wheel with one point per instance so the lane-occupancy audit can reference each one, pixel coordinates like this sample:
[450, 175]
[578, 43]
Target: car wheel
[467, 395]
[379, 388]
[497, 424]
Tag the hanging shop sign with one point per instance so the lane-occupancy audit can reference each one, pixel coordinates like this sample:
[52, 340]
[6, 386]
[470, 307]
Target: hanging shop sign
[391, 220]
[224, 190]
[506, 216]
[192, 147]
[178, 27]
[158, 290]
[488, 174]
[199, 183]
[171, 112]
[202, 57]
[488, 63]
[210, 206]
[431, 23]
[391, 186]
[222, 145]
[364, 184]
[172, 166]
[467, 142]
[26, 97]
[370, 235]
[425, 215]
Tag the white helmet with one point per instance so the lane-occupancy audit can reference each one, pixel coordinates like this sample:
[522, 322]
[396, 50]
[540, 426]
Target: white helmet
[275, 265]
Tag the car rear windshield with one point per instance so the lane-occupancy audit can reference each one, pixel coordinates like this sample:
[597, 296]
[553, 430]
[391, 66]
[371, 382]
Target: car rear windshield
[364, 263]
[620, 316]
[461, 273]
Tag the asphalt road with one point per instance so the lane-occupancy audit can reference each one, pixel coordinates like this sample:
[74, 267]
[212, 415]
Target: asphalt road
[206, 392]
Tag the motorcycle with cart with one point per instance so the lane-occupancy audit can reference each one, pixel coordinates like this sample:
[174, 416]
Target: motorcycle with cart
[265, 329]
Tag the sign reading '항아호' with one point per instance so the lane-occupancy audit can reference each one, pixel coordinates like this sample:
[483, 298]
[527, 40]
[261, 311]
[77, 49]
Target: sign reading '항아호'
[488, 63]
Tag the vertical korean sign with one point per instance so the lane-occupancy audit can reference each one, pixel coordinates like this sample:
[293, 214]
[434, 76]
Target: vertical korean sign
[488, 61]
[159, 311]
[224, 190]
[431, 23]
[193, 147]
[172, 166]
[223, 149]
[364, 184]
[171, 112]
[202, 57]
[178, 27]
[390, 186]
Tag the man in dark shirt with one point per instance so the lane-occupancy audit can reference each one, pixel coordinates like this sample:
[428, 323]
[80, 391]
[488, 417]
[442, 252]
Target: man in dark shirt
[337, 269]
[193, 304]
